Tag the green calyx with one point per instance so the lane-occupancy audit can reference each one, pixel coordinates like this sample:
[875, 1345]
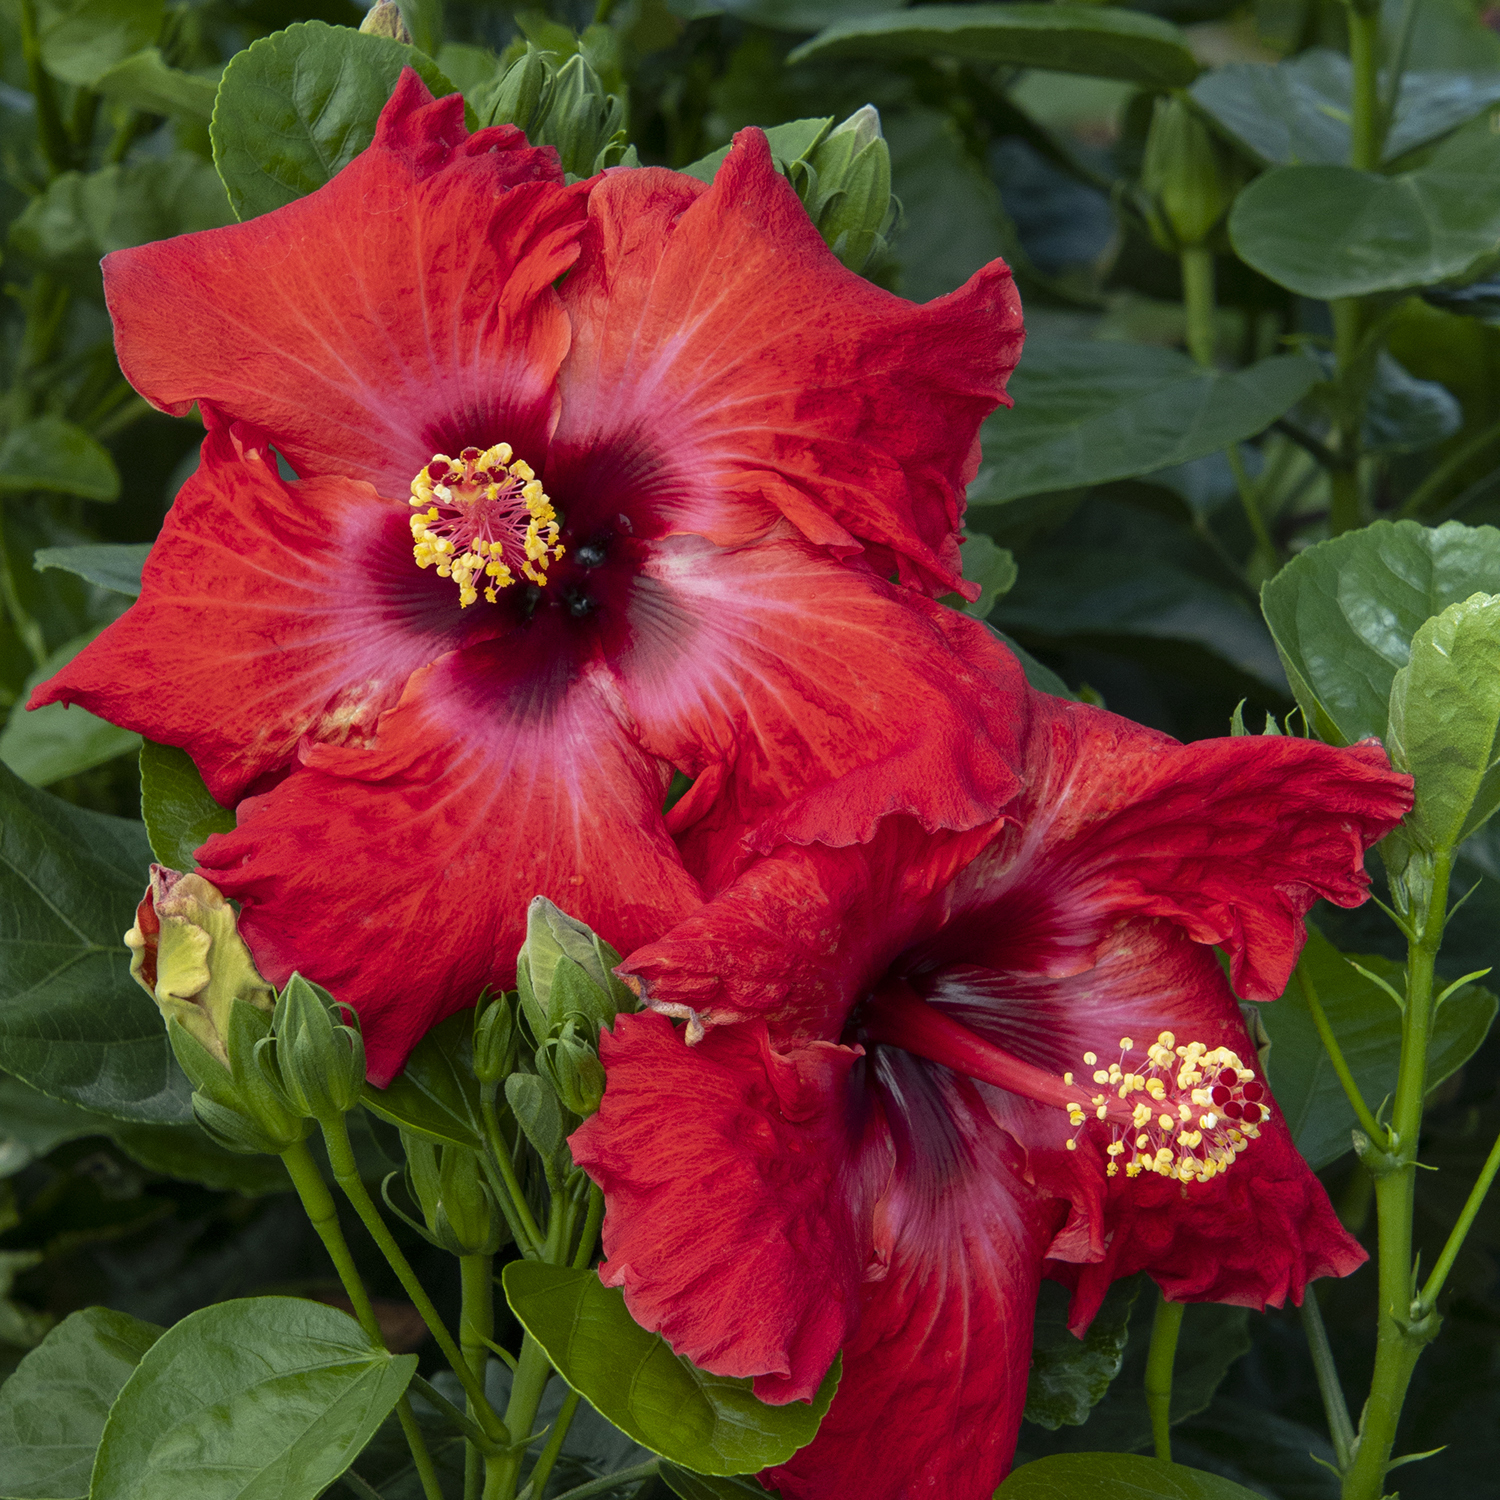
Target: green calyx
[845, 184]
[571, 1066]
[1189, 178]
[319, 1060]
[458, 1206]
[565, 971]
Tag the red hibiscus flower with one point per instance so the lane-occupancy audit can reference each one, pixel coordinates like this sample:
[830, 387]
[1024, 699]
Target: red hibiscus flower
[592, 483]
[907, 1107]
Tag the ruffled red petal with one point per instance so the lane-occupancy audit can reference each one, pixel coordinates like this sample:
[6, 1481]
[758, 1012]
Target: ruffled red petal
[404, 309]
[713, 327]
[269, 611]
[398, 876]
[812, 700]
[740, 1240]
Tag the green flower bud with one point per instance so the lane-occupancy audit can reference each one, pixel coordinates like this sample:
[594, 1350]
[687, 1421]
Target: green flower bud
[384, 19]
[845, 183]
[520, 96]
[1189, 178]
[457, 1204]
[497, 1040]
[320, 1061]
[572, 1068]
[187, 954]
[564, 969]
[585, 124]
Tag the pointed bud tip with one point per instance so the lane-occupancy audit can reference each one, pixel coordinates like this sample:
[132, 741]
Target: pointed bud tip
[384, 19]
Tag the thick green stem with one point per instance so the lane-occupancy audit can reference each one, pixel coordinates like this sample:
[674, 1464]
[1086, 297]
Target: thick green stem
[476, 1331]
[1340, 1428]
[1461, 1229]
[1160, 1358]
[346, 1174]
[537, 1483]
[1364, 112]
[1347, 510]
[1197, 263]
[1367, 1121]
[52, 133]
[585, 1252]
[1406, 1325]
[533, 1370]
[318, 1204]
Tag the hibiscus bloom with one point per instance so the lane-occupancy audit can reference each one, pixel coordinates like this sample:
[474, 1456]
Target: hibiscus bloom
[592, 483]
[907, 1107]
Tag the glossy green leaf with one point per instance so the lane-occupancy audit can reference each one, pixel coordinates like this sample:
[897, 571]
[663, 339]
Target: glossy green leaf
[1297, 111]
[1343, 613]
[1069, 1376]
[111, 565]
[786, 15]
[72, 1021]
[1368, 1026]
[267, 1398]
[436, 1094]
[992, 568]
[53, 1408]
[1331, 231]
[1063, 38]
[146, 82]
[542, 1118]
[1086, 412]
[83, 216]
[1116, 1476]
[46, 744]
[297, 107]
[180, 812]
[187, 1153]
[708, 1423]
[31, 1124]
[1445, 722]
[789, 143]
[687, 1485]
[82, 39]
[48, 453]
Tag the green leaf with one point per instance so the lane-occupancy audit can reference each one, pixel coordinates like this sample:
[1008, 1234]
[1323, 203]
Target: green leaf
[49, 743]
[48, 453]
[789, 143]
[1062, 38]
[110, 565]
[146, 82]
[1069, 1376]
[82, 39]
[20, 1326]
[992, 568]
[1330, 231]
[1368, 1026]
[1088, 411]
[690, 1486]
[1041, 677]
[266, 1398]
[297, 107]
[53, 1408]
[32, 1124]
[545, 1123]
[1343, 613]
[72, 1021]
[1297, 111]
[436, 1094]
[707, 1423]
[187, 1153]
[83, 216]
[180, 812]
[1445, 722]
[1116, 1476]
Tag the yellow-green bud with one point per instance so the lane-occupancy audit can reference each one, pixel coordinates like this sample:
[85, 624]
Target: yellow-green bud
[846, 184]
[1189, 178]
[187, 954]
[565, 969]
[384, 19]
[572, 1067]
[319, 1060]
[497, 1040]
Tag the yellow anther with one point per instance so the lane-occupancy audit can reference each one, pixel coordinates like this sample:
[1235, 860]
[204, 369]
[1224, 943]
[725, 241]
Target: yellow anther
[1166, 1039]
[1091, 1058]
[1101, 1076]
[1115, 1148]
[1072, 1144]
[1067, 1078]
[1141, 1115]
[1167, 1122]
[1126, 1045]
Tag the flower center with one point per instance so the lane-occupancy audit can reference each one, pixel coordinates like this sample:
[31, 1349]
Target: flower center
[1183, 1112]
[482, 518]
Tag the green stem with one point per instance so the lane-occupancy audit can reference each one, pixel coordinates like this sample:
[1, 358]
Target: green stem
[1258, 528]
[1365, 114]
[51, 132]
[533, 1370]
[1347, 511]
[1405, 1325]
[1160, 1358]
[318, 1204]
[26, 628]
[519, 1214]
[647, 1470]
[1362, 1112]
[361, 1487]
[124, 137]
[1437, 481]
[1197, 263]
[476, 1329]
[1461, 1229]
[537, 1484]
[590, 1235]
[346, 1174]
[1340, 1428]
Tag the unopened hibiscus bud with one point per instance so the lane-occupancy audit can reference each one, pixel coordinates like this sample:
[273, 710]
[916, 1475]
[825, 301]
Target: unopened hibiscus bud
[847, 179]
[565, 969]
[319, 1060]
[569, 1063]
[457, 1204]
[497, 1040]
[384, 19]
[187, 954]
[1188, 178]
[585, 124]
[521, 96]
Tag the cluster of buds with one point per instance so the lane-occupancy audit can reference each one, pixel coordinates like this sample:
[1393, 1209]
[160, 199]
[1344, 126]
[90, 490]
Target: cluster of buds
[563, 105]
[1189, 177]
[844, 182]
